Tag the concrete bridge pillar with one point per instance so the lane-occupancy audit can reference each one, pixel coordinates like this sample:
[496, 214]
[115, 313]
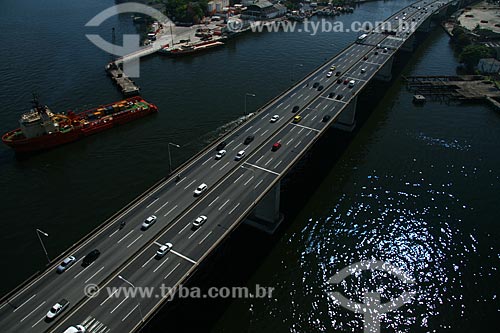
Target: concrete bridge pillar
[266, 215]
[385, 73]
[347, 119]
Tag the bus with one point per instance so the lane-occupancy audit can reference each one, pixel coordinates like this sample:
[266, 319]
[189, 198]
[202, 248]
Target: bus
[360, 38]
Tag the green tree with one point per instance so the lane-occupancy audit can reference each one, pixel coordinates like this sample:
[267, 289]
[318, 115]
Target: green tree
[471, 54]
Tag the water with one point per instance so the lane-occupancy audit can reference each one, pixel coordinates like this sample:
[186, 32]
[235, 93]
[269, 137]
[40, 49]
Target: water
[415, 186]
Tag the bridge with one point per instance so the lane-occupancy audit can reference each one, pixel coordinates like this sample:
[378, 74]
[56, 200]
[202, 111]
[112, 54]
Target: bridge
[238, 190]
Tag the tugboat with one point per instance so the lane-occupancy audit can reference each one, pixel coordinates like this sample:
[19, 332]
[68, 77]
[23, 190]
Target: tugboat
[42, 129]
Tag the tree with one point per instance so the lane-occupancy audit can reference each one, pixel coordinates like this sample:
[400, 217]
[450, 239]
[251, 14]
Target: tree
[471, 54]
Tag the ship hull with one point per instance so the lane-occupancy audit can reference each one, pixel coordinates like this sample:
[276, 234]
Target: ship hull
[48, 141]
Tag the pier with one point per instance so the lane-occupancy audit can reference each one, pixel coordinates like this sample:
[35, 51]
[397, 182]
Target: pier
[125, 84]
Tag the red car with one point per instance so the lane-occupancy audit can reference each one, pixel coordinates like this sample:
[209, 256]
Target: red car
[276, 146]
[346, 81]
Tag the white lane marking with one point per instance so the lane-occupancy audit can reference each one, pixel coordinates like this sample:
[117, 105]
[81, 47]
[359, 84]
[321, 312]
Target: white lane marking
[259, 159]
[325, 106]
[205, 237]
[128, 314]
[39, 320]
[300, 96]
[225, 165]
[249, 128]
[156, 211]
[131, 231]
[289, 141]
[134, 241]
[224, 204]
[194, 233]
[166, 276]
[90, 278]
[83, 270]
[258, 167]
[268, 161]
[180, 181]
[316, 116]
[215, 164]
[170, 211]
[259, 183]
[161, 264]
[279, 105]
[206, 161]
[297, 144]
[29, 299]
[119, 304]
[310, 128]
[264, 116]
[147, 262]
[239, 144]
[238, 178]
[277, 165]
[258, 129]
[301, 130]
[152, 202]
[29, 314]
[190, 184]
[295, 93]
[114, 292]
[286, 107]
[232, 210]
[248, 181]
[230, 142]
[210, 204]
[114, 232]
[157, 243]
[183, 256]
[187, 225]
[263, 133]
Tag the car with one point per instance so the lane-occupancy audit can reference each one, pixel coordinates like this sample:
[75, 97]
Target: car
[148, 222]
[326, 118]
[333, 68]
[297, 118]
[221, 146]
[199, 221]
[339, 97]
[365, 58]
[352, 83]
[163, 250]
[276, 146]
[385, 50]
[329, 74]
[376, 52]
[330, 95]
[220, 154]
[363, 70]
[379, 46]
[248, 139]
[295, 109]
[315, 84]
[339, 80]
[90, 257]
[200, 189]
[65, 264]
[346, 81]
[320, 88]
[239, 155]
[75, 329]
[57, 309]
[337, 73]
[397, 18]
[275, 118]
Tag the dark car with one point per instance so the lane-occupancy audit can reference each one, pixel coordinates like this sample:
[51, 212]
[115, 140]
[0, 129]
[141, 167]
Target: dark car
[91, 257]
[320, 88]
[365, 58]
[330, 95]
[295, 108]
[337, 74]
[326, 118]
[248, 139]
[221, 146]
[315, 84]
[339, 80]
[339, 97]
[376, 52]
[276, 146]
[346, 81]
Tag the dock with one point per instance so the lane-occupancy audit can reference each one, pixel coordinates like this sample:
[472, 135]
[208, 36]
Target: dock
[124, 83]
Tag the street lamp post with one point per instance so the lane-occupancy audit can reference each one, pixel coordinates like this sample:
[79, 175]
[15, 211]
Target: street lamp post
[291, 71]
[138, 302]
[38, 232]
[250, 95]
[169, 156]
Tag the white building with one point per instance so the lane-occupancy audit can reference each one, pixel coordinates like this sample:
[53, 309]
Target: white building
[217, 6]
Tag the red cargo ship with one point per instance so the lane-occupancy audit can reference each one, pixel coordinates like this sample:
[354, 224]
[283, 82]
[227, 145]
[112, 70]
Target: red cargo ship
[42, 129]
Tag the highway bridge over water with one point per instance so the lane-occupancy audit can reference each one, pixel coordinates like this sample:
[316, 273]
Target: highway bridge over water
[243, 190]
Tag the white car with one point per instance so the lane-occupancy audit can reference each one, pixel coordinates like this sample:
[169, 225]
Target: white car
[275, 118]
[363, 70]
[199, 221]
[163, 250]
[220, 154]
[329, 74]
[148, 222]
[75, 329]
[66, 264]
[57, 309]
[200, 189]
[240, 155]
[352, 83]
